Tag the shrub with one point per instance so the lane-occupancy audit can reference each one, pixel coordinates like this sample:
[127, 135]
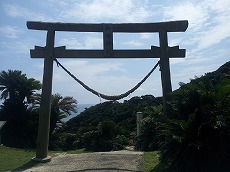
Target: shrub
[55, 141]
[197, 133]
[21, 133]
[119, 142]
[149, 139]
[105, 138]
[63, 141]
[90, 140]
[69, 142]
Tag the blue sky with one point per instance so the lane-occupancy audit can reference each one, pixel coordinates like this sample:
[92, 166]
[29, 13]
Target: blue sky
[207, 42]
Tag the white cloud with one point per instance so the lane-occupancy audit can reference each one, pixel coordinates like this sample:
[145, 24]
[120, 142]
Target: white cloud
[196, 14]
[14, 10]
[89, 70]
[25, 13]
[218, 6]
[174, 61]
[175, 42]
[133, 43]
[146, 35]
[209, 21]
[107, 11]
[87, 43]
[22, 47]
[60, 3]
[215, 34]
[10, 31]
[83, 11]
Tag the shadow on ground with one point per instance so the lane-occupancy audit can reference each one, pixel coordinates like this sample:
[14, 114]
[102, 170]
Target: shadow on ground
[26, 166]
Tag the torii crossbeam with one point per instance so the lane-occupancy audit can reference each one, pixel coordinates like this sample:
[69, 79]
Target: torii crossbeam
[164, 52]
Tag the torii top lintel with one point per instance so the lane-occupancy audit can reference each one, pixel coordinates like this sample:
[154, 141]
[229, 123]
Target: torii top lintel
[171, 26]
[108, 29]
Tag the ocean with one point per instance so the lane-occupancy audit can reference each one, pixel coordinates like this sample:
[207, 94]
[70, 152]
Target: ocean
[80, 108]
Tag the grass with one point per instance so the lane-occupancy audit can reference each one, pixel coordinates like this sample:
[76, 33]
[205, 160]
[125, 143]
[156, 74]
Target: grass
[151, 162]
[12, 158]
[15, 159]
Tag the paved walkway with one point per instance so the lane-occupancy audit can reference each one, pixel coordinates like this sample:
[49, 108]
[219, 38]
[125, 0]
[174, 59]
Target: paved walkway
[116, 161]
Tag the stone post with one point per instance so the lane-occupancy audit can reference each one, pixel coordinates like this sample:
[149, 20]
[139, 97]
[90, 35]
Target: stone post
[139, 123]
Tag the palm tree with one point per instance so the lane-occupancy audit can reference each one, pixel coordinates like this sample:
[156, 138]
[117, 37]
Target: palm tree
[197, 132]
[61, 107]
[15, 86]
[16, 90]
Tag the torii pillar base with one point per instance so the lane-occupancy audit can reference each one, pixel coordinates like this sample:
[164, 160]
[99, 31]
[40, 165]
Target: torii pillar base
[43, 160]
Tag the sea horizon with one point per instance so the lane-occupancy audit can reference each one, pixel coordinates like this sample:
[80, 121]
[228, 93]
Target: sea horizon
[80, 108]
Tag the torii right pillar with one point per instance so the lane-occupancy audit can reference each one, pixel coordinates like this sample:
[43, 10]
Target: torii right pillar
[165, 68]
[166, 53]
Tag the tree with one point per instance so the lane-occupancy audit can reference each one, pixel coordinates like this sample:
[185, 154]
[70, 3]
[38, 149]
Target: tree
[16, 91]
[61, 107]
[106, 137]
[197, 132]
[15, 86]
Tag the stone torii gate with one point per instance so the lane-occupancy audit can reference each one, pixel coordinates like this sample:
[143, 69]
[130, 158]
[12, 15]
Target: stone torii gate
[164, 52]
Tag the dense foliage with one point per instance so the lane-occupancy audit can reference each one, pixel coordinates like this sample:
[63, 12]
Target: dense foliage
[118, 118]
[61, 107]
[20, 109]
[105, 137]
[16, 91]
[197, 130]
[197, 103]
[150, 140]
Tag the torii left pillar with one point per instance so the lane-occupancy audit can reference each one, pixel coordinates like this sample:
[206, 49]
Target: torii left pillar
[45, 104]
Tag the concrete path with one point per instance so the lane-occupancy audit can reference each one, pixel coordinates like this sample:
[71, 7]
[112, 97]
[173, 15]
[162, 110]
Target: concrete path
[116, 161]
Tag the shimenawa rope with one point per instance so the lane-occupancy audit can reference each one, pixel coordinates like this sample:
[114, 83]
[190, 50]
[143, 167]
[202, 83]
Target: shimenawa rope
[107, 97]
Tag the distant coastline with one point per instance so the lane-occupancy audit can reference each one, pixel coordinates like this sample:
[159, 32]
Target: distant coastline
[80, 108]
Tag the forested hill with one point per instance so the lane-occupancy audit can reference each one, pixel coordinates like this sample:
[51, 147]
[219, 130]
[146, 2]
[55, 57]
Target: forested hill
[123, 114]
[223, 72]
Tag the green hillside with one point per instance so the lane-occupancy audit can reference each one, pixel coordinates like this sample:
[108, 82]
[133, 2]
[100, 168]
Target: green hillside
[122, 116]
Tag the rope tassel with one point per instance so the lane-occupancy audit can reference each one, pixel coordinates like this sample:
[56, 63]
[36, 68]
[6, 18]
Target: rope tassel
[107, 97]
